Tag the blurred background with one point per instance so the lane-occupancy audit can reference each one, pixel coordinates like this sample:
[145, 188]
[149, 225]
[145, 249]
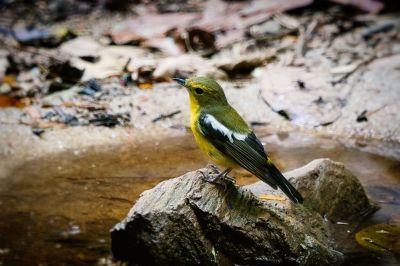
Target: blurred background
[90, 117]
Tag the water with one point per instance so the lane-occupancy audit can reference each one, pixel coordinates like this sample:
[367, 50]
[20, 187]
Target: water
[59, 210]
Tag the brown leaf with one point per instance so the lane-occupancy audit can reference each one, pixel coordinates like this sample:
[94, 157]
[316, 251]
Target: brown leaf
[8, 101]
[149, 26]
[369, 6]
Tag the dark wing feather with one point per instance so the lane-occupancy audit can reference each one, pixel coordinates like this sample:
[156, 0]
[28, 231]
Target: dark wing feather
[248, 153]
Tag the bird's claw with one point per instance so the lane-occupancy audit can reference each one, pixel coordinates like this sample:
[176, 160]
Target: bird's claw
[229, 179]
[217, 178]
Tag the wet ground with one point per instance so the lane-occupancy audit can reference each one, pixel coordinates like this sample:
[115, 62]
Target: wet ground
[58, 210]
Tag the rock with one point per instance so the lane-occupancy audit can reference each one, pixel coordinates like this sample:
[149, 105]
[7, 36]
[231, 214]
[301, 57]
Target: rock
[189, 221]
[81, 46]
[346, 201]
[379, 82]
[306, 98]
[328, 188]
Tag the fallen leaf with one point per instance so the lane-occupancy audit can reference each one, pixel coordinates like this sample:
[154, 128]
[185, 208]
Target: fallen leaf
[112, 61]
[9, 79]
[186, 65]
[7, 101]
[166, 45]
[243, 63]
[380, 238]
[370, 6]
[231, 37]
[273, 6]
[149, 26]
[272, 197]
[235, 19]
[145, 86]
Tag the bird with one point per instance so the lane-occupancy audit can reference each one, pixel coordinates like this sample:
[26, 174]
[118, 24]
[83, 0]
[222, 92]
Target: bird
[224, 136]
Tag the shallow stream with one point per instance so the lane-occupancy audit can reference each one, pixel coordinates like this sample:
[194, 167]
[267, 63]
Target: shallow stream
[58, 210]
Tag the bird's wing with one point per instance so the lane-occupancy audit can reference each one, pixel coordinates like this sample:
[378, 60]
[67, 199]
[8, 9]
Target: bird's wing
[243, 148]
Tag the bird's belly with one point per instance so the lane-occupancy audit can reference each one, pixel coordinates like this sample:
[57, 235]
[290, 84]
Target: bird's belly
[212, 152]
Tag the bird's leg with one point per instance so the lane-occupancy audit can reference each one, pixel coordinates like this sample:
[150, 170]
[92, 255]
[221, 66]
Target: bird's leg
[216, 177]
[224, 175]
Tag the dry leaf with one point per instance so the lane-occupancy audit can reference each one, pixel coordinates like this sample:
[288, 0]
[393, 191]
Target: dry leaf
[272, 197]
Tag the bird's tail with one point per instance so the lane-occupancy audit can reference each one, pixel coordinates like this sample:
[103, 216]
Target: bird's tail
[283, 184]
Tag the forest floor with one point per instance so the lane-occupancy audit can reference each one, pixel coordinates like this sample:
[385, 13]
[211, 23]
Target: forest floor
[331, 70]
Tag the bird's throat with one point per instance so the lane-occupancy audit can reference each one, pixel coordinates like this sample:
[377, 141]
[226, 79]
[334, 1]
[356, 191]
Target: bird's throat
[194, 105]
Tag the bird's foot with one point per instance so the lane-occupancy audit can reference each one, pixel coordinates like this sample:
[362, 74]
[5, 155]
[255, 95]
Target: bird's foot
[216, 177]
[228, 178]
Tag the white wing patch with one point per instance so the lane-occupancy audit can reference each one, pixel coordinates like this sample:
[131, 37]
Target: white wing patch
[223, 129]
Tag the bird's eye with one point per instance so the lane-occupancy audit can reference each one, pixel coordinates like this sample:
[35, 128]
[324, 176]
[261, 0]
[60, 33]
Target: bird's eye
[198, 91]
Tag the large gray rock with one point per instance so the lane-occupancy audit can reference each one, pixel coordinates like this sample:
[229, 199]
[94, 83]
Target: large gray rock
[186, 221]
[328, 188]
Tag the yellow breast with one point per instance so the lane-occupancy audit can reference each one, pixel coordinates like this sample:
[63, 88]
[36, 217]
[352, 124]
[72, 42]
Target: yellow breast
[206, 146]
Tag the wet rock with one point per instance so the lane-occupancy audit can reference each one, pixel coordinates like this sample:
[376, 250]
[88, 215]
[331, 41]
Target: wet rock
[329, 189]
[188, 221]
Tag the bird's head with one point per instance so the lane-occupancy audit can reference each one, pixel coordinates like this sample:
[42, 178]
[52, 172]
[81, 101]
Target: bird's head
[203, 91]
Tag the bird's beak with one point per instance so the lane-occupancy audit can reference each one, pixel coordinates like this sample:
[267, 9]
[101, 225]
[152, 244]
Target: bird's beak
[180, 81]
